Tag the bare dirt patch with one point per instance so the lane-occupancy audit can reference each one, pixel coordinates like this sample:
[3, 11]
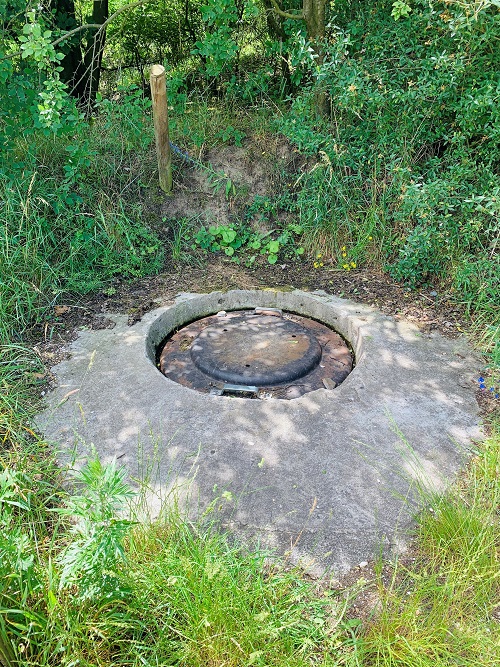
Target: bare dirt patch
[218, 273]
[253, 169]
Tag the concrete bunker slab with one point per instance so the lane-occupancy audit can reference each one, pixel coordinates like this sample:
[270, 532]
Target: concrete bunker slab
[330, 476]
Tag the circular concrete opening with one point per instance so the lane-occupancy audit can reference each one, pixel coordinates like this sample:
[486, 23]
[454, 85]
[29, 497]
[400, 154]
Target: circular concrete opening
[263, 352]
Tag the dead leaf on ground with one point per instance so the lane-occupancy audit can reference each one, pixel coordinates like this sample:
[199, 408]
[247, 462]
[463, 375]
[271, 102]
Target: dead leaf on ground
[61, 310]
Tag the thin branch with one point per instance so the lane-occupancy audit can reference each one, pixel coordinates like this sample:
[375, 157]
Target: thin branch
[101, 26]
[287, 15]
[74, 31]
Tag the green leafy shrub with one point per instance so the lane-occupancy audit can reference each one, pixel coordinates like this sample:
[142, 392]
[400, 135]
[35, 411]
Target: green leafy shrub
[218, 48]
[457, 224]
[231, 134]
[410, 155]
[90, 562]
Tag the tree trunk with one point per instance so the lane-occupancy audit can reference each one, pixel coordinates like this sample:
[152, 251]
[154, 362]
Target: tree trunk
[65, 19]
[314, 14]
[89, 72]
[315, 18]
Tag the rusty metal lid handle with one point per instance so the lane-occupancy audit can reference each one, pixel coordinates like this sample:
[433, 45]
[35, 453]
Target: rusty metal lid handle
[240, 389]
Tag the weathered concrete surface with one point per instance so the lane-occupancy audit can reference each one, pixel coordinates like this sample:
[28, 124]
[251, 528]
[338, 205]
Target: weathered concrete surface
[331, 475]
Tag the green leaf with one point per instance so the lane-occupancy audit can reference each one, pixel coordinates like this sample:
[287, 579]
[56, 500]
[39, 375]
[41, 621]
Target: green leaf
[400, 9]
[228, 235]
[51, 600]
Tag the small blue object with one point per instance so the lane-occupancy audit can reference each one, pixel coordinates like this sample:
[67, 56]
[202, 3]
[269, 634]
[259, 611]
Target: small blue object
[481, 379]
[497, 395]
[182, 154]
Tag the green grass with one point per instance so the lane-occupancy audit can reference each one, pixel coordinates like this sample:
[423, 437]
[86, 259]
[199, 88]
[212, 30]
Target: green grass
[442, 609]
[82, 585]
[74, 214]
[214, 604]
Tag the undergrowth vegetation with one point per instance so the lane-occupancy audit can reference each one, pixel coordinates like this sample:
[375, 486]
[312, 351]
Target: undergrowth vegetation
[442, 606]
[403, 159]
[71, 213]
[403, 165]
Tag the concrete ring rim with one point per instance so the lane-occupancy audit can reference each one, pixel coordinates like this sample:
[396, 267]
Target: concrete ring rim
[190, 307]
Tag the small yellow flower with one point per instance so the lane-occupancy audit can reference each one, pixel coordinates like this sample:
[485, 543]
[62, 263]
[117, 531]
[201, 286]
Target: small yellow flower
[353, 264]
[344, 254]
[370, 238]
[315, 265]
[343, 248]
[319, 255]
[346, 267]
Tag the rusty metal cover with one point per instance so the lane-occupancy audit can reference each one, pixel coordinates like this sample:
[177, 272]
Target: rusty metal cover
[261, 350]
[264, 353]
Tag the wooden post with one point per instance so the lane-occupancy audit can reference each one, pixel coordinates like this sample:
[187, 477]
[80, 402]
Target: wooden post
[160, 118]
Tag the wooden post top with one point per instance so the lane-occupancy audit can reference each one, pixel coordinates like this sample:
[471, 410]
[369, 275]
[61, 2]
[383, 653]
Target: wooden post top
[157, 70]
